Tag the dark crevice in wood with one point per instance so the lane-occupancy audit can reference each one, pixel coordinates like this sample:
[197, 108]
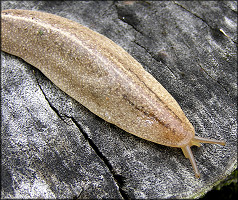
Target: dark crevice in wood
[118, 178]
[217, 30]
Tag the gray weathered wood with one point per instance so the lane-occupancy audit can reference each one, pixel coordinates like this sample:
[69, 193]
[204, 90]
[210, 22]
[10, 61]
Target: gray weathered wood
[53, 147]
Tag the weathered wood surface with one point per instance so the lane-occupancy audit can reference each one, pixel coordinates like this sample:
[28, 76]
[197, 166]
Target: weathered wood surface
[53, 147]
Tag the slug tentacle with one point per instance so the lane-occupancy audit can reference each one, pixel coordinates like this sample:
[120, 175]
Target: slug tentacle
[196, 141]
[188, 154]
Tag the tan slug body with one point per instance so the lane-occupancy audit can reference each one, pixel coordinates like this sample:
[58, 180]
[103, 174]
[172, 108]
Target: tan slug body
[100, 75]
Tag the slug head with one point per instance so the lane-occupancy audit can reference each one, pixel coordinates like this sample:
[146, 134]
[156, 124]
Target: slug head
[196, 141]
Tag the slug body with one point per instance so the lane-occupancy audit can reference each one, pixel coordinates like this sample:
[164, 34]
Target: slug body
[100, 75]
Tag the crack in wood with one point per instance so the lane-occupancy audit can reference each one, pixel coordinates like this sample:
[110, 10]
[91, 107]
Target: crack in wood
[48, 101]
[219, 30]
[204, 70]
[118, 178]
[155, 58]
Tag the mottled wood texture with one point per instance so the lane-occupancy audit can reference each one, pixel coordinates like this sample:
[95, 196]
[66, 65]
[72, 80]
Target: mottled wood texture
[53, 147]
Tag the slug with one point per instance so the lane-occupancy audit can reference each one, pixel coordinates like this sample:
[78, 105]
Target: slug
[100, 75]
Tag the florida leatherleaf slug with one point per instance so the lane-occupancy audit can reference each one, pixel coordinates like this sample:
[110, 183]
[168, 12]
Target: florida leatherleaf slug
[100, 75]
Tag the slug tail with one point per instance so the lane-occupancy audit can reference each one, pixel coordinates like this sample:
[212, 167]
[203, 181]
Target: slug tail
[188, 154]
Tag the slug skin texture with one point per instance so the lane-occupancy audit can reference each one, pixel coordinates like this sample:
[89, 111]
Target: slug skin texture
[97, 73]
